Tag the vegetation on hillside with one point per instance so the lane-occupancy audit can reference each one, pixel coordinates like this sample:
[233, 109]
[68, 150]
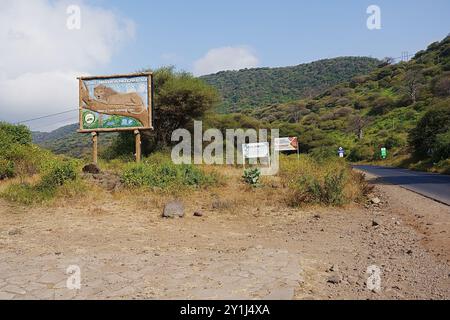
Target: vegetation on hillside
[66, 140]
[21, 160]
[258, 87]
[380, 109]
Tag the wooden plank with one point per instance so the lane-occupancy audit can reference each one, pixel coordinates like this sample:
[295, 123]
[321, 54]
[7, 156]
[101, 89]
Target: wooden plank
[129, 75]
[80, 105]
[137, 135]
[113, 129]
[94, 147]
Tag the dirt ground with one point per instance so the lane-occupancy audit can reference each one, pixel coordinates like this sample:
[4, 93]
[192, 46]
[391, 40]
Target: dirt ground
[247, 245]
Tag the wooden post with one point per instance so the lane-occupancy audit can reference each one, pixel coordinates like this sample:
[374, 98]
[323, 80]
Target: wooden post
[137, 135]
[94, 147]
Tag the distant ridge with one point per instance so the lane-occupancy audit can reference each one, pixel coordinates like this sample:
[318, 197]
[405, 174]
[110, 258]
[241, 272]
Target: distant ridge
[259, 87]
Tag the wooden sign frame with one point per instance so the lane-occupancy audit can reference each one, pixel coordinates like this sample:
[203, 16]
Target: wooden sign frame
[121, 112]
[82, 104]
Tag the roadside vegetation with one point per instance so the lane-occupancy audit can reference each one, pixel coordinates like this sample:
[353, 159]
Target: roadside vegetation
[328, 181]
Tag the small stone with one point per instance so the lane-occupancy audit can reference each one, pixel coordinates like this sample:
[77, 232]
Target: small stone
[173, 209]
[334, 279]
[409, 251]
[198, 214]
[333, 268]
[375, 223]
[316, 216]
[14, 232]
[375, 200]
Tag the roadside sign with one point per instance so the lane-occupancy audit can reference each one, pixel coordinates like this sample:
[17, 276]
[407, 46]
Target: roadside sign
[383, 153]
[341, 152]
[287, 144]
[255, 150]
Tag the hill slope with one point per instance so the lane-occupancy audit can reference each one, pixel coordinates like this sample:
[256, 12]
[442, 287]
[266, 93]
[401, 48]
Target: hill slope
[250, 88]
[66, 140]
[369, 111]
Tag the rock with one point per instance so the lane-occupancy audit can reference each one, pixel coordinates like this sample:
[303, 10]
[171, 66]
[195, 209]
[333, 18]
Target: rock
[316, 216]
[334, 279]
[91, 168]
[375, 223]
[375, 200]
[198, 214]
[333, 268]
[173, 209]
[14, 232]
[409, 251]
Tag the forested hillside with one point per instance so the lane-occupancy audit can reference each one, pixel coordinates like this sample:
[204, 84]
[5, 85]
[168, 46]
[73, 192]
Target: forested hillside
[66, 140]
[374, 110]
[250, 88]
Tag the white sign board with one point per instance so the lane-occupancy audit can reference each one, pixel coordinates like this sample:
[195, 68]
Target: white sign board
[286, 144]
[341, 152]
[255, 150]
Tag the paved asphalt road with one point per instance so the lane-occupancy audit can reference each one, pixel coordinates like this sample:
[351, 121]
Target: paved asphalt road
[432, 185]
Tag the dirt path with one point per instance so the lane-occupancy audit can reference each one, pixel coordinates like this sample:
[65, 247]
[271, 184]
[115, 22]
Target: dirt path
[240, 253]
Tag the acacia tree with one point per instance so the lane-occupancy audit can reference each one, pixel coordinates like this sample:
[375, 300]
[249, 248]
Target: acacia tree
[413, 81]
[179, 98]
[357, 125]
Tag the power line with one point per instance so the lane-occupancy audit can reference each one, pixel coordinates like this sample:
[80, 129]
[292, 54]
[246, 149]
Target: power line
[60, 123]
[47, 116]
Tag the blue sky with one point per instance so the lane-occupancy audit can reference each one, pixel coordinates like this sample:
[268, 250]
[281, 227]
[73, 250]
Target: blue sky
[42, 52]
[279, 33]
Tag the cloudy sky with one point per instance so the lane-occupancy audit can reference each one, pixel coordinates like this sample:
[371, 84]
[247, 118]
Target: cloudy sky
[44, 46]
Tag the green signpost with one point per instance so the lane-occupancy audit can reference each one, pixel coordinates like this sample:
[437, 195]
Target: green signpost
[383, 153]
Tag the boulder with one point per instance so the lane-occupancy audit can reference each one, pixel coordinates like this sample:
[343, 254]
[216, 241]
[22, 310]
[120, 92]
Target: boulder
[91, 168]
[173, 209]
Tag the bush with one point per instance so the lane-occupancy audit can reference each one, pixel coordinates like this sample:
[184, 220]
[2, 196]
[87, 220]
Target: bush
[251, 176]
[58, 176]
[393, 142]
[61, 173]
[441, 147]
[6, 169]
[435, 122]
[360, 153]
[323, 153]
[329, 183]
[165, 175]
[14, 134]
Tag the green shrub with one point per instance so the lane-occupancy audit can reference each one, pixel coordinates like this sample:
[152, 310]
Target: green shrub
[360, 153]
[330, 182]
[61, 173]
[251, 176]
[14, 134]
[435, 122]
[165, 175]
[58, 175]
[441, 147]
[323, 153]
[6, 169]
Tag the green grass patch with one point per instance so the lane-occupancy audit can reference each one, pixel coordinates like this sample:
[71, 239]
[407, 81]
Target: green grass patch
[159, 172]
[60, 177]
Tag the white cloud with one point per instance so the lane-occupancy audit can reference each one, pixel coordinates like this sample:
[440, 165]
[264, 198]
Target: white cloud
[41, 57]
[226, 58]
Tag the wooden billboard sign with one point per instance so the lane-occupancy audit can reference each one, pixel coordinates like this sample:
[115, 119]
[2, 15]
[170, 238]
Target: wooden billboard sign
[116, 103]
